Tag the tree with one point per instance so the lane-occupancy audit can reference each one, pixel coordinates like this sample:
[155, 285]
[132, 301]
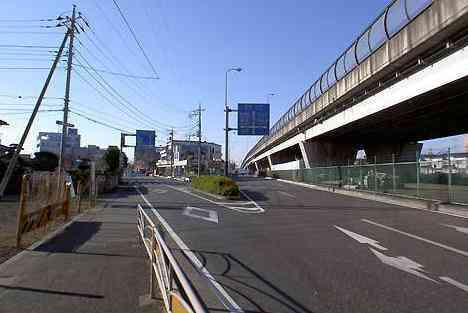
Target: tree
[124, 160]
[45, 161]
[112, 158]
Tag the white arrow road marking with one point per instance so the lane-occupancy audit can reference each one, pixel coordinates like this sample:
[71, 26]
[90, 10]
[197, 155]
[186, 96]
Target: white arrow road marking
[440, 245]
[284, 193]
[256, 209]
[362, 239]
[192, 212]
[159, 191]
[402, 263]
[455, 283]
[458, 228]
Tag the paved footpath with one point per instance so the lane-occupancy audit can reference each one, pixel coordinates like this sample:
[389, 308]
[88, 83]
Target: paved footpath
[94, 265]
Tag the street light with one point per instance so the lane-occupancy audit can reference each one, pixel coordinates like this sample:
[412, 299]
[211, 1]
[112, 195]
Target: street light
[268, 95]
[227, 110]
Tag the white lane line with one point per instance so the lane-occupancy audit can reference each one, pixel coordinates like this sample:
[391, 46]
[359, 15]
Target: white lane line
[457, 228]
[361, 238]
[192, 212]
[455, 283]
[257, 208]
[440, 245]
[220, 292]
[284, 193]
[369, 197]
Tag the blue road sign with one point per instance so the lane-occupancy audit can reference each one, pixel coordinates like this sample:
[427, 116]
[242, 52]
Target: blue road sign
[145, 138]
[253, 119]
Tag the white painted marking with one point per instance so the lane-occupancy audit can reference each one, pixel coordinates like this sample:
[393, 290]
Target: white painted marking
[402, 263]
[362, 239]
[257, 208]
[458, 228]
[192, 212]
[220, 292]
[253, 201]
[370, 197]
[284, 193]
[455, 283]
[440, 245]
[160, 191]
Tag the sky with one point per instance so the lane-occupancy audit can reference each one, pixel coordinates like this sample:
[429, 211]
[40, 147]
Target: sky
[281, 46]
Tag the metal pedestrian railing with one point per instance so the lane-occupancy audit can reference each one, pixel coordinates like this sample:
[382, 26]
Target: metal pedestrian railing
[177, 292]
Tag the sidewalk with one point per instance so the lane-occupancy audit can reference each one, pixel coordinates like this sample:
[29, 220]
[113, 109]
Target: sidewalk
[94, 265]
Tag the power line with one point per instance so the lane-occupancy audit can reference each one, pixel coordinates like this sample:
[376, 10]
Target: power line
[99, 92]
[115, 73]
[135, 37]
[114, 122]
[29, 20]
[28, 46]
[128, 103]
[101, 123]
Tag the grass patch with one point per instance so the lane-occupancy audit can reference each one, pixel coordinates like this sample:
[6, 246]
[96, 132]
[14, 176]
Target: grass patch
[219, 185]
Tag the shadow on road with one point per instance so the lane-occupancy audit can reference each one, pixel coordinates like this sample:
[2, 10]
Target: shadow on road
[237, 277]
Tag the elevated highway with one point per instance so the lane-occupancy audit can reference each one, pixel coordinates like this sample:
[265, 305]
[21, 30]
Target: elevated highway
[402, 80]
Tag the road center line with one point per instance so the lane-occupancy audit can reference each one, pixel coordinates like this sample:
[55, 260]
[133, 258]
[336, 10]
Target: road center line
[220, 292]
[440, 245]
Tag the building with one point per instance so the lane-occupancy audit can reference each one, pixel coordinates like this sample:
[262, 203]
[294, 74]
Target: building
[434, 164]
[50, 142]
[182, 157]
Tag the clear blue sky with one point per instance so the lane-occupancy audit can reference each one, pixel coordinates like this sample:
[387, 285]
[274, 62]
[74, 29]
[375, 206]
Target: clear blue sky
[282, 47]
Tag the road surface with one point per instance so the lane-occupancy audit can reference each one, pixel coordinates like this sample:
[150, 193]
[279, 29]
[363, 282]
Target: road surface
[295, 249]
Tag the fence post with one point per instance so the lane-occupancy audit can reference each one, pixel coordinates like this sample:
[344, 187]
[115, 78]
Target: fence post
[78, 196]
[449, 176]
[417, 174]
[152, 274]
[21, 210]
[393, 173]
[375, 173]
[66, 203]
[361, 183]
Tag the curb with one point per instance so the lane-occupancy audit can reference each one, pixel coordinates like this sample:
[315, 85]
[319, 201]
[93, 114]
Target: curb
[422, 204]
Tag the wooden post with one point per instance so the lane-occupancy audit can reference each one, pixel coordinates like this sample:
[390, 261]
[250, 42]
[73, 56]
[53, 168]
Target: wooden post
[21, 210]
[66, 203]
[78, 196]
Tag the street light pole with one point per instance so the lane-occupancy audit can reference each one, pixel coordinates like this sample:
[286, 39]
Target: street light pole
[268, 97]
[226, 129]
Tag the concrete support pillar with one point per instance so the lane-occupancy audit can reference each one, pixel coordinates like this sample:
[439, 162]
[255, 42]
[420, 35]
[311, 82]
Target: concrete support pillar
[305, 157]
[269, 162]
[327, 153]
[256, 166]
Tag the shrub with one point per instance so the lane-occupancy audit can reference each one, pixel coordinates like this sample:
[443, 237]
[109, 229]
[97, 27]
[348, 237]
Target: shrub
[219, 185]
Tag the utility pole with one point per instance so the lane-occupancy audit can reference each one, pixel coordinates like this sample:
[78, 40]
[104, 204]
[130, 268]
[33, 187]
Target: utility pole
[67, 92]
[18, 149]
[198, 124]
[171, 138]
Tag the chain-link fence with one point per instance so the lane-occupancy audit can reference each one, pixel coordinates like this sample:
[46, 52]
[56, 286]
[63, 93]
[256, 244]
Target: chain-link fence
[442, 177]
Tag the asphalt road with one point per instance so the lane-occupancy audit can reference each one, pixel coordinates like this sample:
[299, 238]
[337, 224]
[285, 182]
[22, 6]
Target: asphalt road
[300, 250]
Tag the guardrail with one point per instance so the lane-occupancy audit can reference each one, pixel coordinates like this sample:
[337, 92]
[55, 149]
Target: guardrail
[177, 292]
